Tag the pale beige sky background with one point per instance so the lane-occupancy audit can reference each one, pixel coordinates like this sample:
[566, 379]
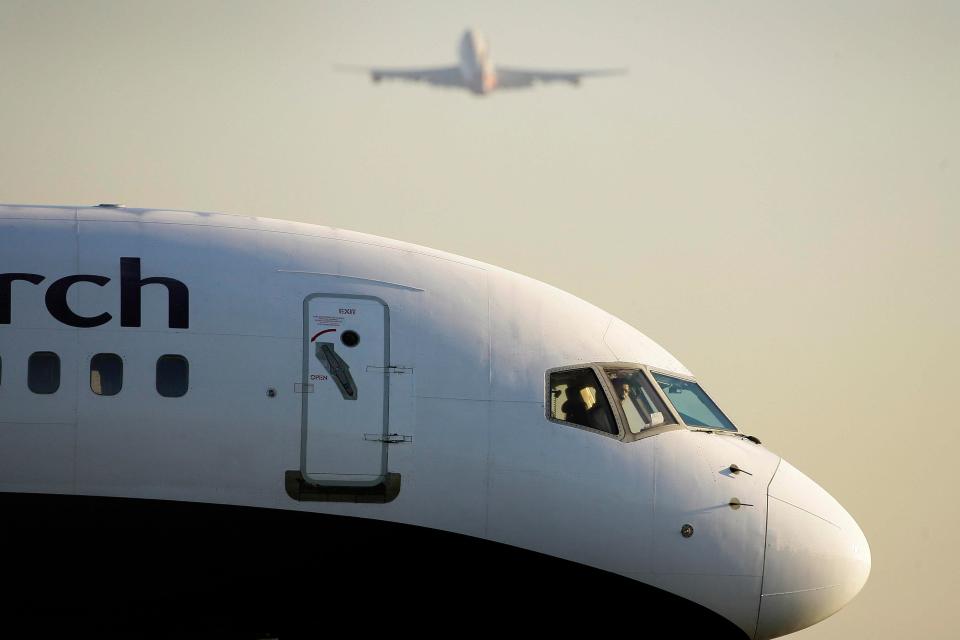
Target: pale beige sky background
[772, 193]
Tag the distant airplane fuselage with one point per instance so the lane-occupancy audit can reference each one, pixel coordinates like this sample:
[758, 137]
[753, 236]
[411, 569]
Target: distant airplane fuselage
[477, 73]
[476, 66]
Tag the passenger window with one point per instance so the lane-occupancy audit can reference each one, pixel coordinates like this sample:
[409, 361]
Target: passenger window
[576, 396]
[43, 372]
[106, 374]
[641, 405]
[173, 376]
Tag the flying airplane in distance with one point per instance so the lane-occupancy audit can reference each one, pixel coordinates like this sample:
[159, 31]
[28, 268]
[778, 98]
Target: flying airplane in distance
[248, 420]
[477, 73]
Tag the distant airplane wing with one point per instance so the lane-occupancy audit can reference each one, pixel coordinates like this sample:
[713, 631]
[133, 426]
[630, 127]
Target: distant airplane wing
[437, 76]
[514, 78]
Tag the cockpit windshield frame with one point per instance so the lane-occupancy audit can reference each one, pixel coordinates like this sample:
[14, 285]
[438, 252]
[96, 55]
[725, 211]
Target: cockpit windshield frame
[604, 388]
[602, 370]
[665, 396]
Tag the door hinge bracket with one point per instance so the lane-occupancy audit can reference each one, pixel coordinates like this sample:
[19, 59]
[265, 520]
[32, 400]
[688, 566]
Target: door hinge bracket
[391, 368]
[389, 438]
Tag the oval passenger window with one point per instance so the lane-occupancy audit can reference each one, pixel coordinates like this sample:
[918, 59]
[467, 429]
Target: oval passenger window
[43, 372]
[173, 376]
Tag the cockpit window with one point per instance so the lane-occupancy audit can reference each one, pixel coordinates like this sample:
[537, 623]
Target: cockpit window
[576, 396]
[642, 406]
[692, 403]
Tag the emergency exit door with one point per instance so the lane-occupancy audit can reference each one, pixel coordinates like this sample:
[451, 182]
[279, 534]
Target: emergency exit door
[346, 353]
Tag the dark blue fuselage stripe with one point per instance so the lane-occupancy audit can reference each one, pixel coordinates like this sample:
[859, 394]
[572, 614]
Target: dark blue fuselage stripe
[129, 562]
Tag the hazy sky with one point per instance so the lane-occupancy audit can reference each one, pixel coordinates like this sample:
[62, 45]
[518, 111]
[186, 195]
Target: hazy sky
[772, 193]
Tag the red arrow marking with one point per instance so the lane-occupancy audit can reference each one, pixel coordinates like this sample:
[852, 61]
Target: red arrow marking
[321, 333]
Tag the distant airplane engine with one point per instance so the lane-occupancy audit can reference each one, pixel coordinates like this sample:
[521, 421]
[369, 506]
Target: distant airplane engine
[489, 76]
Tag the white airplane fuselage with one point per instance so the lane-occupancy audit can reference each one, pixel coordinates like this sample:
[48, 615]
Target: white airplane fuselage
[388, 394]
[476, 65]
[476, 72]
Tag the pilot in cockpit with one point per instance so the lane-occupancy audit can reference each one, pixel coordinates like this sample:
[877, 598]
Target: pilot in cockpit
[587, 405]
[621, 387]
[599, 416]
[575, 409]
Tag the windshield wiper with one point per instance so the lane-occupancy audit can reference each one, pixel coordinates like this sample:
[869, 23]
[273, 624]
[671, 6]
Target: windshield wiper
[727, 432]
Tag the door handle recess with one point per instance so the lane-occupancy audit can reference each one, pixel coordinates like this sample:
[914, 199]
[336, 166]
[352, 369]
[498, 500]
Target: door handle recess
[338, 369]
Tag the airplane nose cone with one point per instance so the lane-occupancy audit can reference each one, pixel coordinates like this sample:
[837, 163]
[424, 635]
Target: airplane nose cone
[817, 558]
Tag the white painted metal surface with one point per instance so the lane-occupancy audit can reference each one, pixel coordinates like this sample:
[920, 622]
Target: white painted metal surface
[817, 557]
[469, 347]
[345, 389]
